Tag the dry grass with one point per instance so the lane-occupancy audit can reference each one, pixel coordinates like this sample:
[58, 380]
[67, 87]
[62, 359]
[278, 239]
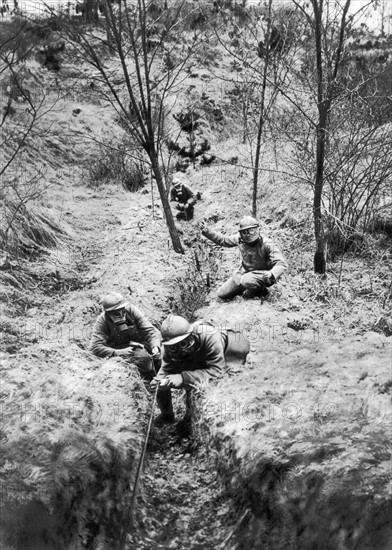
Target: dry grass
[69, 445]
[27, 229]
[114, 164]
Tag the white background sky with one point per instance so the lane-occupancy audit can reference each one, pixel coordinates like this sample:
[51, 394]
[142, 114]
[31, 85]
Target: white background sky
[372, 17]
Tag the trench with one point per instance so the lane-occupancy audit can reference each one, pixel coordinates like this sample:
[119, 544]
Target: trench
[183, 502]
[188, 497]
[198, 494]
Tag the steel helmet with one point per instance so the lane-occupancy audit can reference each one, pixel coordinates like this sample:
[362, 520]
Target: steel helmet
[248, 222]
[174, 329]
[112, 301]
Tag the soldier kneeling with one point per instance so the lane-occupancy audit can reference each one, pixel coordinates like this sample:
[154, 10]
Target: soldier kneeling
[121, 330]
[193, 355]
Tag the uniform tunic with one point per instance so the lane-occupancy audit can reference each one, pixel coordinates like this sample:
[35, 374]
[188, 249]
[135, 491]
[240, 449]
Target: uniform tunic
[107, 338]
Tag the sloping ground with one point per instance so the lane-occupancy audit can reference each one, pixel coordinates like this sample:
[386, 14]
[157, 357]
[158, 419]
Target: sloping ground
[303, 430]
[299, 434]
[80, 404]
[306, 425]
[294, 435]
[69, 446]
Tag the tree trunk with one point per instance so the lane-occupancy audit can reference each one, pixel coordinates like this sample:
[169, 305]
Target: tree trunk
[257, 163]
[262, 114]
[177, 246]
[319, 256]
[91, 13]
[323, 106]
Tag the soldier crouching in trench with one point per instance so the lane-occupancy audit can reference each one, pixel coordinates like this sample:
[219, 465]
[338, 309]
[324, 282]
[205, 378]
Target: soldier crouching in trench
[184, 199]
[193, 355]
[121, 330]
[262, 261]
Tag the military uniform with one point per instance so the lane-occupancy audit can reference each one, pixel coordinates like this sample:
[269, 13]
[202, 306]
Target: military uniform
[108, 337]
[257, 258]
[185, 199]
[205, 363]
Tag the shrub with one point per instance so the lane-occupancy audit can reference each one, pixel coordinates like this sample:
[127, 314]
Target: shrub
[115, 164]
[191, 287]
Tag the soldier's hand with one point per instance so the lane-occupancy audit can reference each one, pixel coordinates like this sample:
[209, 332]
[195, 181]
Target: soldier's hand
[126, 352]
[174, 381]
[266, 276]
[160, 382]
[203, 226]
[155, 382]
[155, 351]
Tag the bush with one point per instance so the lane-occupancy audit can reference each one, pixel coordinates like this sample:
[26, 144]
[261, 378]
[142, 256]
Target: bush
[111, 164]
[191, 287]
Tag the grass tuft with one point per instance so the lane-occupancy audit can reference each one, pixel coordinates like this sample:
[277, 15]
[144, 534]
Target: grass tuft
[115, 164]
[26, 230]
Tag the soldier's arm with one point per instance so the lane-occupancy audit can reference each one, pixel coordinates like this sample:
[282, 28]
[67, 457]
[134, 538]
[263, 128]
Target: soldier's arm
[100, 338]
[279, 264]
[215, 363]
[166, 367]
[148, 333]
[191, 199]
[173, 195]
[220, 239]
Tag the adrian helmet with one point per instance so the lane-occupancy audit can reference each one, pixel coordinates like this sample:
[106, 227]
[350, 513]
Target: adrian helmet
[248, 222]
[176, 182]
[249, 229]
[112, 301]
[174, 329]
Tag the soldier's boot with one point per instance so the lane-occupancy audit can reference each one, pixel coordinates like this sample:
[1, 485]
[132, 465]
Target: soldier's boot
[165, 404]
[250, 293]
[184, 426]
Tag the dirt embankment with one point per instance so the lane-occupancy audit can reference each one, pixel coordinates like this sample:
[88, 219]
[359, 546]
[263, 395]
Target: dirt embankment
[305, 425]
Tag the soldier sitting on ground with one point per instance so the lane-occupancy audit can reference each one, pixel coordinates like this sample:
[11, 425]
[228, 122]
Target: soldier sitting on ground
[121, 330]
[193, 355]
[184, 198]
[262, 261]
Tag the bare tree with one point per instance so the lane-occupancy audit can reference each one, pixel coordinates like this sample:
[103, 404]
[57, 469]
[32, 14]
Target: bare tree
[262, 51]
[147, 49]
[329, 25]
[305, 63]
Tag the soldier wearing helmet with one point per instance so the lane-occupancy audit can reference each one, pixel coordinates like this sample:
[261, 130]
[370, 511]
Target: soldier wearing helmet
[193, 354]
[262, 261]
[121, 330]
[184, 198]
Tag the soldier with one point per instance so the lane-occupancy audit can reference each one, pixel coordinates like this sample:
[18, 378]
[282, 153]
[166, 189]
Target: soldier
[262, 261]
[185, 199]
[121, 330]
[193, 355]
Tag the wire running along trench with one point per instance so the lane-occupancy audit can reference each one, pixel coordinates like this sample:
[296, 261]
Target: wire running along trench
[131, 511]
